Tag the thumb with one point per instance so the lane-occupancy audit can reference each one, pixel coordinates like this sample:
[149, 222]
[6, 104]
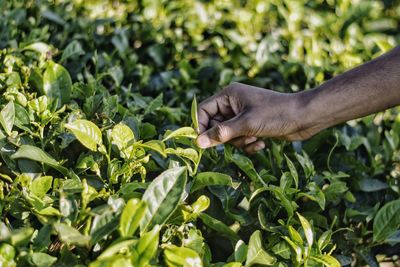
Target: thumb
[221, 133]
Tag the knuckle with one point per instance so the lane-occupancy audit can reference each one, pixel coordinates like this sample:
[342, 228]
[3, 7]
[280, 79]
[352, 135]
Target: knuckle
[233, 87]
[221, 132]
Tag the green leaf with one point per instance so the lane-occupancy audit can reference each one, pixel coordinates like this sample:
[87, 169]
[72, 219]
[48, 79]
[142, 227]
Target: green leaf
[315, 194]
[40, 259]
[122, 136]
[295, 235]
[70, 235]
[240, 251]
[86, 132]
[117, 74]
[57, 83]
[73, 49]
[36, 154]
[188, 153]
[21, 236]
[204, 179]
[232, 264]
[131, 217]
[41, 185]
[163, 196]
[246, 165]
[187, 132]
[200, 205]
[146, 247]
[219, 227]
[293, 171]
[7, 255]
[326, 260]
[155, 145]
[324, 240]
[371, 185]
[280, 195]
[7, 252]
[104, 224]
[256, 253]
[7, 117]
[296, 248]
[155, 104]
[194, 241]
[194, 115]
[117, 260]
[308, 232]
[306, 164]
[282, 249]
[39, 47]
[117, 248]
[175, 256]
[285, 202]
[386, 221]
[22, 119]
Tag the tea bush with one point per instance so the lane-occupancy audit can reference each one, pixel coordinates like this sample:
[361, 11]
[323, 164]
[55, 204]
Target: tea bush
[98, 115]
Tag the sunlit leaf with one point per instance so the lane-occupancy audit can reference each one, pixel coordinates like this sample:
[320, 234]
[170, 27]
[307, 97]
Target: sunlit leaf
[57, 83]
[256, 254]
[162, 197]
[86, 132]
[7, 117]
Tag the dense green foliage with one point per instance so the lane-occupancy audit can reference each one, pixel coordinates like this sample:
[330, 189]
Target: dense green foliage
[98, 161]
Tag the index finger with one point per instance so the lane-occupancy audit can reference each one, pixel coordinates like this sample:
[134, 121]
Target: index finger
[206, 111]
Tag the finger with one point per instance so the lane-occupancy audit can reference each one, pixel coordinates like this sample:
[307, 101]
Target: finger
[212, 107]
[242, 141]
[206, 111]
[216, 120]
[254, 147]
[222, 132]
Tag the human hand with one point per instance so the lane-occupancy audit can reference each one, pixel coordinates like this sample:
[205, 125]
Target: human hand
[241, 114]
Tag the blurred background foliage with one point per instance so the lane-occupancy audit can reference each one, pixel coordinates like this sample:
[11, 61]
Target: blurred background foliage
[285, 45]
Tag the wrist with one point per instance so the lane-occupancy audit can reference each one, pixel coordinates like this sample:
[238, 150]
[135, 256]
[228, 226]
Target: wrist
[312, 115]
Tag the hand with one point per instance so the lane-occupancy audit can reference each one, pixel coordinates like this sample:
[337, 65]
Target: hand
[241, 114]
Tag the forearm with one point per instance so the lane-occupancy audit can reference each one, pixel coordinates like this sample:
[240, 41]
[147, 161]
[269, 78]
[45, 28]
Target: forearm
[366, 89]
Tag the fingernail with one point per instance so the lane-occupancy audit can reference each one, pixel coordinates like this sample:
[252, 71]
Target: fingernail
[260, 146]
[203, 141]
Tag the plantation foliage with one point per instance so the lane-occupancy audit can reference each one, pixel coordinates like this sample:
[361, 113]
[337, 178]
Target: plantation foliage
[97, 127]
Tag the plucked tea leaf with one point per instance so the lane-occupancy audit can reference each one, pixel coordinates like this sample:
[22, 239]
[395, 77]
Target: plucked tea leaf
[194, 115]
